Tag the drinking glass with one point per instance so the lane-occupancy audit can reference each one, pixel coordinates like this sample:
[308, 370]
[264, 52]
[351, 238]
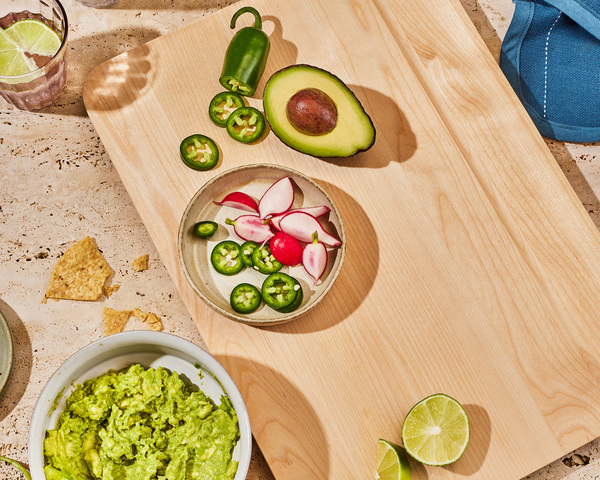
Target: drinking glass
[43, 86]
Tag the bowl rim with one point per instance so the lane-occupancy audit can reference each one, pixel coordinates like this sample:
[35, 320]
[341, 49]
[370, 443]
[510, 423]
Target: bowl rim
[8, 351]
[102, 348]
[231, 315]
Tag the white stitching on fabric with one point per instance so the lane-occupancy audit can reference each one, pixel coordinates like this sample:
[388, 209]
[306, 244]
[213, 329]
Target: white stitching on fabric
[546, 63]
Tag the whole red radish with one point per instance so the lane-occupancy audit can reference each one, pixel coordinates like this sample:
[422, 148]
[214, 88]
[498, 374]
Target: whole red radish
[286, 249]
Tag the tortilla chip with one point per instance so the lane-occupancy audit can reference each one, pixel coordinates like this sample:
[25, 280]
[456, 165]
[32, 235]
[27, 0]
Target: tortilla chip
[108, 291]
[151, 319]
[80, 273]
[115, 320]
[141, 263]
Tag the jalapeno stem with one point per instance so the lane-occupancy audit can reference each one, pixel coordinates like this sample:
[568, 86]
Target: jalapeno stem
[241, 11]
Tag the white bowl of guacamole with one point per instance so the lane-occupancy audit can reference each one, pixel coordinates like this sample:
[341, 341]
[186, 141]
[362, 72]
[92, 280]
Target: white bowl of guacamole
[140, 405]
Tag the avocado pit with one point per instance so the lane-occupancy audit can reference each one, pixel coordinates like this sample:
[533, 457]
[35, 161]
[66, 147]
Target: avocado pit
[312, 112]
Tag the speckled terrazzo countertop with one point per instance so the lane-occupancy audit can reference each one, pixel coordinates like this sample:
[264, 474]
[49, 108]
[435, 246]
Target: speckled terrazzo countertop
[58, 185]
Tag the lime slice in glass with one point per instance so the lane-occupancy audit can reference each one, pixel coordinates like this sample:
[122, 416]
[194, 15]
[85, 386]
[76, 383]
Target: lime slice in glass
[22, 39]
[392, 464]
[436, 430]
[12, 61]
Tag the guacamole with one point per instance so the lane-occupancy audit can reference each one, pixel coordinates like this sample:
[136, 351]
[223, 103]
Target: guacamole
[142, 424]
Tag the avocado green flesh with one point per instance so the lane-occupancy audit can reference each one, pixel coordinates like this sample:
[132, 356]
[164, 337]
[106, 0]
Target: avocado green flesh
[142, 424]
[354, 131]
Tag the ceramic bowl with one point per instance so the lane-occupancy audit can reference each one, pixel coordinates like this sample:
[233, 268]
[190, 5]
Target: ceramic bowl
[150, 349]
[6, 352]
[194, 252]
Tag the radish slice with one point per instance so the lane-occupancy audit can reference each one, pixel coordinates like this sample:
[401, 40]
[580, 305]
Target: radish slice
[301, 226]
[277, 199]
[239, 200]
[316, 212]
[314, 258]
[250, 227]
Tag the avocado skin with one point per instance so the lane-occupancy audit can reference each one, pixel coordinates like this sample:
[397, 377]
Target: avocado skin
[338, 143]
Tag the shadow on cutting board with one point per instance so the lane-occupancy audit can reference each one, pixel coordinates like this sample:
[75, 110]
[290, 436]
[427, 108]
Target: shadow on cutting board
[479, 442]
[394, 139]
[358, 272]
[299, 435]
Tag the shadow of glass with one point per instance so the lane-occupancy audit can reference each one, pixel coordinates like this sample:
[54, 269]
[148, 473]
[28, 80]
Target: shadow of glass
[299, 448]
[120, 82]
[22, 364]
[86, 54]
[358, 272]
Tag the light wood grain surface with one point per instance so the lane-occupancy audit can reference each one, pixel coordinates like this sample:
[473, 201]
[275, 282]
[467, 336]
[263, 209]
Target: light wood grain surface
[470, 264]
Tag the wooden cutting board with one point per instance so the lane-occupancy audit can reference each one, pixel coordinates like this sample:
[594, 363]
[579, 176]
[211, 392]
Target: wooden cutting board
[471, 266]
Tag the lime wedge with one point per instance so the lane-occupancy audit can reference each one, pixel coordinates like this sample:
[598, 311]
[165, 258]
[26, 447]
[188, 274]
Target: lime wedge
[392, 464]
[25, 36]
[436, 430]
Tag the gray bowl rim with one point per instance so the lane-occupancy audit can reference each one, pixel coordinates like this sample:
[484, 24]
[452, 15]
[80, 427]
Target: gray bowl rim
[240, 318]
[138, 338]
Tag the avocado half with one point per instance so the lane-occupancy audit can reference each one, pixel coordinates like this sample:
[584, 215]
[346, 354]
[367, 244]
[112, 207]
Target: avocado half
[354, 131]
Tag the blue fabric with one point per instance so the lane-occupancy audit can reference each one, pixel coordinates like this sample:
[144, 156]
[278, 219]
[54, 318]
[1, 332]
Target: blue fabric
[551, 57]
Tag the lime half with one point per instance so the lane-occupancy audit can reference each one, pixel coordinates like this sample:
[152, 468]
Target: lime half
[22, 39]
[436, 430]
[392, 464]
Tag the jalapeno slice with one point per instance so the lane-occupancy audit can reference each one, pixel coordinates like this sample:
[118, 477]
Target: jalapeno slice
[280, 291]
[245, 298]
[247, 248]
[264, 261]
[245, 124]
[296, 302]
[205, 229]
[225, 258]
[222, 105]
[199, 152]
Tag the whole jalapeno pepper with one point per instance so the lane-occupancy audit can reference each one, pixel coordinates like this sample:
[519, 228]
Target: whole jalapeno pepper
[245, 124]
[199, 152]
[246, 56]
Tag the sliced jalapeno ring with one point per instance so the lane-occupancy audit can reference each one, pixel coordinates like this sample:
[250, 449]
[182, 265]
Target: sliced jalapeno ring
[222, 105]
[225, 258]
[246, 255]
[245, 298]
[264, 261]
[199, 152]
[205, 229]
[246, 124]
[280, 291]
[297, 302]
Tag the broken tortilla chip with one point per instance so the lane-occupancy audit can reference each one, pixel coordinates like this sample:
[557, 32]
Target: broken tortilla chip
[151, 319]
[141, 263]
[108, 291]
[80, 273]
[115, 320]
